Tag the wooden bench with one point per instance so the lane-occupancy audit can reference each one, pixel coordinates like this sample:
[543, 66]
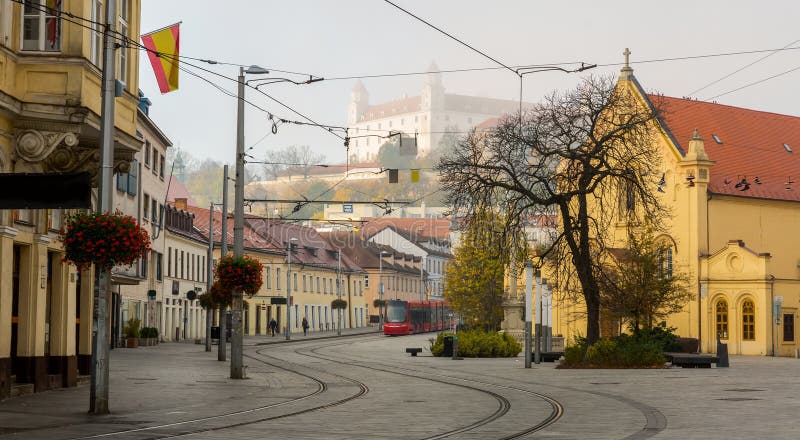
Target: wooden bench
[413, 351]
[692, 360]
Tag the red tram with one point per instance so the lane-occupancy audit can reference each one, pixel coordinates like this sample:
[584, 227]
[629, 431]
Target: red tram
[408, 317]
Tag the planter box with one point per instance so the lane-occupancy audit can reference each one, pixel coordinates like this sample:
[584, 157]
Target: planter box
[132, 342]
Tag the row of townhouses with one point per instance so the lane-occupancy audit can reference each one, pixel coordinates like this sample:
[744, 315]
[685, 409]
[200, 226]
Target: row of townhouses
[50, 109]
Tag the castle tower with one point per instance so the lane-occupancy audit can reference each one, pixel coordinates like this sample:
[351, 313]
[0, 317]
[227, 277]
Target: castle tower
[433, 90]
[359, 101]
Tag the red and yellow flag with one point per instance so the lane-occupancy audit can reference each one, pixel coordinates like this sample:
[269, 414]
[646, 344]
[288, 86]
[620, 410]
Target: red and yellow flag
[162, 49]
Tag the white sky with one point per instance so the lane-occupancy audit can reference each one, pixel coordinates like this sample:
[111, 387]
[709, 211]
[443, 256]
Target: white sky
[332, 38]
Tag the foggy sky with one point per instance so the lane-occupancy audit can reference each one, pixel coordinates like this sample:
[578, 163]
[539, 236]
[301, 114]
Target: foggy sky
[362, 37]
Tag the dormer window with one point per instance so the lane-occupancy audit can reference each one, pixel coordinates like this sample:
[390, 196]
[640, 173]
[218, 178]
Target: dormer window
[787, 148]
[717, 139]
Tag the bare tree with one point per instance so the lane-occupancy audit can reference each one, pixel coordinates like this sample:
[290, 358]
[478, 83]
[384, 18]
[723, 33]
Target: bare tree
[589, 153]
[300, 157]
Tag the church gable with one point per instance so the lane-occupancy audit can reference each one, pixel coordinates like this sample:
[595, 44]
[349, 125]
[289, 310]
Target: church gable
[735, 261]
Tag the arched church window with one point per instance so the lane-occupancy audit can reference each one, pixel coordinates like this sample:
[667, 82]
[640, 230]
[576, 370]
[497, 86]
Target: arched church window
[722, 319]
[748, 321]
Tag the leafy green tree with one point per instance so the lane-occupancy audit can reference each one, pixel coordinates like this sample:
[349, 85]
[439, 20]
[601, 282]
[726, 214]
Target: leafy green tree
[640, 284]
[475, 276]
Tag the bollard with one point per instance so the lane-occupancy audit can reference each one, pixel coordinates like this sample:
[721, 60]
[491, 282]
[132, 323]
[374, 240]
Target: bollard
[722, 353]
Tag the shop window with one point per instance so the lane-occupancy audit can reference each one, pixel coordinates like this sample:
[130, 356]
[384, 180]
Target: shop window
[748, 321]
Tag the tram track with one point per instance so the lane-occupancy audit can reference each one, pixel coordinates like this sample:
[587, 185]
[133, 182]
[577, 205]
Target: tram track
[557, 408]
[321, 388]
[655, 420]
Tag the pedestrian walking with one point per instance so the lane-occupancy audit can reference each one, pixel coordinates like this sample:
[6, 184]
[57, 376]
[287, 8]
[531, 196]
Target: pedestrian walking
[273, 325]
[305, 326]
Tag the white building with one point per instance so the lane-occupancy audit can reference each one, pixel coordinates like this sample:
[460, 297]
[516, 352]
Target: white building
[428, 115]
[435, 253]
[140, 193]
[186, 271]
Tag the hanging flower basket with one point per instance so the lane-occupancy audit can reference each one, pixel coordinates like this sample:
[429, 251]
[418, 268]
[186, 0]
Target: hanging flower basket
[338, 304]
[243, 273]
[105, 240]
[216, 297]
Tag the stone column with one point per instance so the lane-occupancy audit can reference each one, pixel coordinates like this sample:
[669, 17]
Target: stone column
[513, 307]
[32, 303]
[7, 235]
[62, 322]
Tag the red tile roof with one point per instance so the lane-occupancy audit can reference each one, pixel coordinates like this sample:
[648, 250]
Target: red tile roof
[420, 229]
[752, 145]
[177, 190]
[391, 108]
[252, 239]
[310, 247]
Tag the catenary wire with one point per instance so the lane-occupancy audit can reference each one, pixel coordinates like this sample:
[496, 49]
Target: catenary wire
[462, 42]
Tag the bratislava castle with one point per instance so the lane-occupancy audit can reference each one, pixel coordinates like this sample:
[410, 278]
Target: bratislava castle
[428, 116]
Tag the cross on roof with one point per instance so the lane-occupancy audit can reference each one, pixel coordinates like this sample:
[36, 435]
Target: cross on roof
[627, 54]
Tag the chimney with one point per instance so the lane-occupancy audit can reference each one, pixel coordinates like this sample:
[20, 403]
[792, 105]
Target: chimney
[181, 203]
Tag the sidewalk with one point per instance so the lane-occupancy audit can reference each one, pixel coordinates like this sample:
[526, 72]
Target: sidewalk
[166, 383]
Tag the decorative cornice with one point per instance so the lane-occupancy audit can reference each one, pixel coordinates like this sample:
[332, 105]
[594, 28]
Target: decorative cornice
[8, 232]
[42, 239]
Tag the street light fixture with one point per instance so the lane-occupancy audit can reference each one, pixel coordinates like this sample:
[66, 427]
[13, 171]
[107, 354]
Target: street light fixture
[237, 369]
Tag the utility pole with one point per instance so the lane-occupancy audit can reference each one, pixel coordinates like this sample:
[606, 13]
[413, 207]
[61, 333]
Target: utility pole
[209, 275]
[528, 286]
[221, 349]
[380, 291]
[237, 372]
[98, 393]
[289, 290]
[339, 294]
[537, 307]
[421, 279]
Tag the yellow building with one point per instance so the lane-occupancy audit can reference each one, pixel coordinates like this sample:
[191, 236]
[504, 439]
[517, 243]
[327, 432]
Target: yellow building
[729, 181]
[316, 276]
[50, 122]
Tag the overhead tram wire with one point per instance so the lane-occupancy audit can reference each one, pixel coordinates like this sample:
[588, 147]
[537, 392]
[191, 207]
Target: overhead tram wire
[450, 35]
[123, 38]
[742, 68]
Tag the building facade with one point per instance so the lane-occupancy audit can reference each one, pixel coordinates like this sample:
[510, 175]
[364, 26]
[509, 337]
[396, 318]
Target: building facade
[141, 193]
[428, 117]
[50, 122]
[735, 207]
[177, 315]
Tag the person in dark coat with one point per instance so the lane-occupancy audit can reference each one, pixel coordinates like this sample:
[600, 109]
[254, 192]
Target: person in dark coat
[273, 325]
[305, 326]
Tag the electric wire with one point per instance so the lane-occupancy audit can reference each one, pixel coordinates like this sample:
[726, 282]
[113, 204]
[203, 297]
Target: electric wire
[449, 35]
[741, 68]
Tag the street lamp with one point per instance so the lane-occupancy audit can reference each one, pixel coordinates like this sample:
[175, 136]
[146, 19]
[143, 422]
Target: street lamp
[237, 370]
[289, 289]
[380, 289]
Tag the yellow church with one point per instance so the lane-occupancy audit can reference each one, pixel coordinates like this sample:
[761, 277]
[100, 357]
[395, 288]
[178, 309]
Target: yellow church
[730, 181]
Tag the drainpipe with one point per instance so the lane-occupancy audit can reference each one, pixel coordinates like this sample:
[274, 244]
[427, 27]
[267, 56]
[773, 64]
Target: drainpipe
[772, 306]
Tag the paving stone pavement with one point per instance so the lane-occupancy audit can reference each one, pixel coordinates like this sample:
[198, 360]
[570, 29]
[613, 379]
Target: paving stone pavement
[388, 394]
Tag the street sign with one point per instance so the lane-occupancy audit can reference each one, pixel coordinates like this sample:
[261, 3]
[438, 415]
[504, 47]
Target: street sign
[277, 300]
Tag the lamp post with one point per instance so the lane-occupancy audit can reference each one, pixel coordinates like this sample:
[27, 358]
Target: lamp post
[289, 289]
[380, 289]
[237, 370]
